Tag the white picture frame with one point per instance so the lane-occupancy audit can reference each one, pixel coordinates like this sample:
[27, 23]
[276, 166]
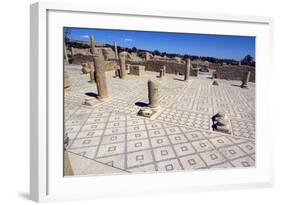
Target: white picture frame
[46, 154]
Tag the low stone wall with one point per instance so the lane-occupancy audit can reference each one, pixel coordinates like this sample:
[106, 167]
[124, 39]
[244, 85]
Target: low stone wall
[235, 72]
[171, 67]
[85, 56]
[79, 58]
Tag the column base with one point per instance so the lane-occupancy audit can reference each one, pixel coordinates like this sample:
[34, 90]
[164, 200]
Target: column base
[244, 86]
[95, 101]
[103, 99]
[154, 107]
[149, 112]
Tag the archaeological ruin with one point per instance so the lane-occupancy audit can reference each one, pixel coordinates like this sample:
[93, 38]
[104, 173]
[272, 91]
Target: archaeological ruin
[129, 110]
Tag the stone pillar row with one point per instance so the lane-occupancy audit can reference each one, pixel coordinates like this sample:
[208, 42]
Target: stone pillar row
[100, 78]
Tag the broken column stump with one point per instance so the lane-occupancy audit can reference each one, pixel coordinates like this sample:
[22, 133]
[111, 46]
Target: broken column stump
[246, 80]
[164, 70]
[221, 123]
[197, 72]
[100, 76]
[161, 73]
[214, 75]
[215, 82]
[122, 59]
[187, 70]
[92, 76]
[153, 97]
[92, 44]
[147, 56]
[153, 94]
[115, 50]
[117, 73]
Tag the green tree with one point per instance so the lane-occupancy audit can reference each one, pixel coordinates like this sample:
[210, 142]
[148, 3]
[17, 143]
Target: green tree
[134, 49]
[156, 52]
[248, 60]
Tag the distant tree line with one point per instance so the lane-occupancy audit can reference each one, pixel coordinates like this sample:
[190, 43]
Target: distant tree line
[75, 44]
[247, 60]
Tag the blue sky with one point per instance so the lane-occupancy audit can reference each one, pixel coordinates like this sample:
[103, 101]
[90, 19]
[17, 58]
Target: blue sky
[231, 47]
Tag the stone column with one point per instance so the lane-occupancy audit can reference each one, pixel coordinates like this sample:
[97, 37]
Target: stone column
[72, 53]
[92, 76]
[100, 75]
[161, 73]
[164, 70]
[147, 57]
[187, 70]
[92, 44]
[122, 58]
[246, 80]
[153, 94]
[116, 50]
[197, 72]
[105, 54]
[117, 72]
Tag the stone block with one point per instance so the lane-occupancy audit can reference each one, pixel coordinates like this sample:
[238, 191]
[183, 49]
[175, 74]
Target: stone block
[137, 70]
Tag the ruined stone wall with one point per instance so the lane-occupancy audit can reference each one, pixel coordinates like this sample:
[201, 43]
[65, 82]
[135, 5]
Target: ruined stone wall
[79, 58]
[85, 56]
[232, 72]
[171, 67]
[82, 51]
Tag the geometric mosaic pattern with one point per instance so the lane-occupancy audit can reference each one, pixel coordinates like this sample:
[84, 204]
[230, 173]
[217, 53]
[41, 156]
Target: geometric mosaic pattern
[179, 138]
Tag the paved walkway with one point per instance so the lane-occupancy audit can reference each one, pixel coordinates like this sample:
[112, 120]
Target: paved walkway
[111, 138]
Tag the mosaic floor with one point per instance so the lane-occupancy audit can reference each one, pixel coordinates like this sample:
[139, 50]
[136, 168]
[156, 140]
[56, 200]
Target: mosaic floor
[111, 138]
